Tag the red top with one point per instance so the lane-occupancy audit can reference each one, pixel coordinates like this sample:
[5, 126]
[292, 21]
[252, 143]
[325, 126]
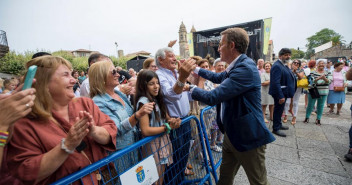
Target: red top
[32, 139]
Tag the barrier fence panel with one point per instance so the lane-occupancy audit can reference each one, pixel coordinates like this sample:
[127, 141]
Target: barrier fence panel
[160, 159]
[213, 138]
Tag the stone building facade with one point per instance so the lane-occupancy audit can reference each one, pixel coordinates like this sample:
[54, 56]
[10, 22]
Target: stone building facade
[183, 41]
[335, 51]
[184, 50]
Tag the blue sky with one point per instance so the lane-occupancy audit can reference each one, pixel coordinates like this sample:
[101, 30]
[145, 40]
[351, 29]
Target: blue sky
[149, 25]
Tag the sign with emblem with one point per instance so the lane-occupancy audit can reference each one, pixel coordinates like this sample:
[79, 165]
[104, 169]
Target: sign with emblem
[143, 173]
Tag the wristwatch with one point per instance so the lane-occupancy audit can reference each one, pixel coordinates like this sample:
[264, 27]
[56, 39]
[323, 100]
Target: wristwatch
[65, 148]
[179, 83]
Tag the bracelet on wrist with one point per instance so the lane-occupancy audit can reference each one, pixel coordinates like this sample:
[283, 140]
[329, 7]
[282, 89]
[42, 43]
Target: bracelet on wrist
[3, 137]
[135, 117]
[168, 127]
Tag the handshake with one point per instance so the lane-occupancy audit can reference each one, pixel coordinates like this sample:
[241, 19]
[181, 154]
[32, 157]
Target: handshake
[185, 68]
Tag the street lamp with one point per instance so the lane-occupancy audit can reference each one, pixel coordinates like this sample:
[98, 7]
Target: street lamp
[116, 49]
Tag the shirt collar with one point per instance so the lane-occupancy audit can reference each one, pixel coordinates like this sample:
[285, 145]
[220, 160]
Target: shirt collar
[232, 64]
[168, 70]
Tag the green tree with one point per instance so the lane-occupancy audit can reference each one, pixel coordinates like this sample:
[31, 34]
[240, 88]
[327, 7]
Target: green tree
[80, 63]
[121, 61]
[296, 54]
[337, 40]
[64, 54]
[323, 36]
[14, 63]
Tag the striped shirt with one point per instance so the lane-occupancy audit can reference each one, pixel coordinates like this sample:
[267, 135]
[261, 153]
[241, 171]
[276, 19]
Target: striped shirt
[322, 85]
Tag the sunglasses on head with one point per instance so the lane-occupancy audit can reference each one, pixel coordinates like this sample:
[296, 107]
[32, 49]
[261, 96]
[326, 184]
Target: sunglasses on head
[113, 72]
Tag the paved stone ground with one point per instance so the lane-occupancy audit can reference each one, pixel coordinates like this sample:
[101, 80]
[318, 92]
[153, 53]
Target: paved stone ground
[310, 154]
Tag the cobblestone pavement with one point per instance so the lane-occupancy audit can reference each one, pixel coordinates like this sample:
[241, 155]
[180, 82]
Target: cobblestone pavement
[310, 154]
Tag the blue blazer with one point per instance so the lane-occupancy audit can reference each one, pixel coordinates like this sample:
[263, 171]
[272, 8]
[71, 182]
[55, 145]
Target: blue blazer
[282, 81]
[239, 93]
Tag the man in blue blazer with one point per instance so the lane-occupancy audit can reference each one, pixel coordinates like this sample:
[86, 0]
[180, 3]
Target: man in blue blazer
[282, 86]
[239, 112]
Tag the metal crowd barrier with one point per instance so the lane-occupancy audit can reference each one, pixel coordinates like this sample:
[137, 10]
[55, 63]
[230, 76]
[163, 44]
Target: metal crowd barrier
[142, 151]
[207, 116]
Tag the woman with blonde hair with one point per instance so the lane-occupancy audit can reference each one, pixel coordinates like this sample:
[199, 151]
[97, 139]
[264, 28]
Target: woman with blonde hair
[62, 134]
[266, 98]
[103, 78]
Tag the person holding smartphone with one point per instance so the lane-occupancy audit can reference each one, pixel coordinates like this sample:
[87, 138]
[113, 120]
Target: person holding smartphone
[61, 134]
[13, 107]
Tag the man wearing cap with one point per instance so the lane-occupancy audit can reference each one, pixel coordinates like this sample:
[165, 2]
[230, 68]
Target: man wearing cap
[282, 86]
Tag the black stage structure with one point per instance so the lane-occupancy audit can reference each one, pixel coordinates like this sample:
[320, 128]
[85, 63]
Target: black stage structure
[207, 41]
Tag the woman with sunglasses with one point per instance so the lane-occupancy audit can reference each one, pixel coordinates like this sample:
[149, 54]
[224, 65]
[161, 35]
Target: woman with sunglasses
[103, 78]
[292, 104]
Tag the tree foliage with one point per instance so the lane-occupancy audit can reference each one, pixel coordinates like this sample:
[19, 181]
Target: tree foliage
[296, 54]
[323, 36]
[14, 63]
[121, 61]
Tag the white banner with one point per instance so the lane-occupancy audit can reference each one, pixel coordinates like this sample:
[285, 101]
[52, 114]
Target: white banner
[144, 173]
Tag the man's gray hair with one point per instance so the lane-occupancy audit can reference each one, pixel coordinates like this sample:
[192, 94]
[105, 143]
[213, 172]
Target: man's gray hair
[216, 61]
[162, 53]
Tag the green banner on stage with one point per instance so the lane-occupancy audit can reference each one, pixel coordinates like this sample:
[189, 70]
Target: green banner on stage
[190, 44]
[267, 30]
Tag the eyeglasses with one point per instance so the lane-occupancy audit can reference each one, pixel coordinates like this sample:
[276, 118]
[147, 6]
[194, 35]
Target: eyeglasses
[114, 71]
[153, 66]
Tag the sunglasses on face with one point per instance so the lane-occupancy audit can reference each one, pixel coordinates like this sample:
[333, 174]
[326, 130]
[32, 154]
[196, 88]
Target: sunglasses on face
[113, 72]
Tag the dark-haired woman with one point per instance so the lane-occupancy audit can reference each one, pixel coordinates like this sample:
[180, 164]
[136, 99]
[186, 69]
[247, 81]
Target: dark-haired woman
[147, 91]
[338, 80]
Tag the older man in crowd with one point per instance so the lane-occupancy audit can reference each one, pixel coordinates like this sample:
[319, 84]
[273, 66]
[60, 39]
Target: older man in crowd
[239, 113]
[282, 86]
[176, 99]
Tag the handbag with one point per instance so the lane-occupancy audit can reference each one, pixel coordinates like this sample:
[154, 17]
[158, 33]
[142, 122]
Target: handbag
[303, 83]
[314, 93]
[338, 88]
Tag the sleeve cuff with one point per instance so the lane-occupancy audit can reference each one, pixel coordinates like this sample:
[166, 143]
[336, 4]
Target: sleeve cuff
[196, 70]
[191, 90]
[126, 124]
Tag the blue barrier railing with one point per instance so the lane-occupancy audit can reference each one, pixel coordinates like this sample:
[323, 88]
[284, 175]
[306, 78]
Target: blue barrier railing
[117, 155]
[214, 166]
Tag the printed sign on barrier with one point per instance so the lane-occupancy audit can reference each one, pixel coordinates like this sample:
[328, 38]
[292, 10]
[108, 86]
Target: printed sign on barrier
[143, 173]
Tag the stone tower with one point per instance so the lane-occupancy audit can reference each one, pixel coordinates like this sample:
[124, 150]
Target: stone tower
[184, 52]
[193, 29]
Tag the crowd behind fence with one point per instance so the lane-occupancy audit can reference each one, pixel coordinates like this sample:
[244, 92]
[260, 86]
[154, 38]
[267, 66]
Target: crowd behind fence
[118, 167]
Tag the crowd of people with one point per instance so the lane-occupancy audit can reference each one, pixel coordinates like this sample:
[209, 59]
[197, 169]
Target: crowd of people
[70, 119]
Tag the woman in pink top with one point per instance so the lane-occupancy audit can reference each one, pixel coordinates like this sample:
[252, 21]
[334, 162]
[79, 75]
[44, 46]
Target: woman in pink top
[338, 80]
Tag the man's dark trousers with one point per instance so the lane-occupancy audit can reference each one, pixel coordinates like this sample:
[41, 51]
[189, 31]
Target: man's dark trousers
[278, 110]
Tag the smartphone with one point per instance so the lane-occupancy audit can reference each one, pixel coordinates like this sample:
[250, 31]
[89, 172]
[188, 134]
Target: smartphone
[29, 77]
